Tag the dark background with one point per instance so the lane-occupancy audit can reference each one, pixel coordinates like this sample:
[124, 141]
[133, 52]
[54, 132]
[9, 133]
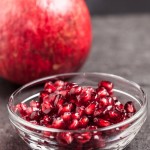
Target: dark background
[118, 6]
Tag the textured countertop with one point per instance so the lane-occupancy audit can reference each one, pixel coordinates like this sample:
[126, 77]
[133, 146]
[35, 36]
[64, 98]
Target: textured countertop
[121, 45]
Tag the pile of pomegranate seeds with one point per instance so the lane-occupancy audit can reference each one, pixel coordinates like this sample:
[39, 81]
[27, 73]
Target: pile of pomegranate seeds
[64, 105]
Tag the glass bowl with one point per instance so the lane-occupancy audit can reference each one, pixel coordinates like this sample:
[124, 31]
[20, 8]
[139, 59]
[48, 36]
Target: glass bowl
[114, 137]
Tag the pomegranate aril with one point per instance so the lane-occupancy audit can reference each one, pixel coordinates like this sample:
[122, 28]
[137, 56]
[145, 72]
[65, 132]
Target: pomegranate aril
[66, 116]
[65, 108]
[47, 120]
[75, 116]
[46, 108]
[59, 83]
[29, 111]
[49, 87]
[106, 84]
[103, 102]
[64, 138]
[35, 104]
[84, 97]
[101, 122]
[89, 110]
[102, 92]
[42, 95]
[80, 110]
[98, 113]
[119, 106]
[76, 90]
[83, 122]
[74, 124]
[129, 107]
[58, 123]
[58, 102]
[83, 137]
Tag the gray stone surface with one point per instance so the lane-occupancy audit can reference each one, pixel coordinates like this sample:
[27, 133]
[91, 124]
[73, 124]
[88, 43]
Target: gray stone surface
[121, 45]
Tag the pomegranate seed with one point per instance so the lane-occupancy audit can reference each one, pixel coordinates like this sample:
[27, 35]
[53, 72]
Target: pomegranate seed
[101, 122]
[66, 116]
[103, 102]
[58, 102]
[49, 87]
[102, 92]
[74, 124]
[46, 108]
[129, 107]
[106, 84]
[76, 90]
[83, 137]
[85, 96]
[83, 122]
[80, 110]
[64, 138]
[98, 112]
[75, 116]
[47, 119]
[35, 104]
[119, 106]
[29, 111]
[59, 83]
[89, 110]
[42, 95]
[58, 123]
[65, 108]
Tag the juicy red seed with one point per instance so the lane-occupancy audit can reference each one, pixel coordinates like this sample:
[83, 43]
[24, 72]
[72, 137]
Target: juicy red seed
[106, 84]
[83, 137]
[119, 106]
[66, 116]
[35, 115]
[83, 122]
[129, 107]
[76, 90]
[89, 89]
[80, 110]
[102, 92]
[58, 123]
[110, 101]
[47, 119]
[103, 102]
[85, 97]
[42, 95]
[49, 87]
[75, 116]
[64, 138]
[101, 122]
[65, 108]
[98, 112]
[46, 108]
[59, 83]
[23, 106]
[58, 102]
[35, 104]
[29, 111]
[89, 110]
[74, 124]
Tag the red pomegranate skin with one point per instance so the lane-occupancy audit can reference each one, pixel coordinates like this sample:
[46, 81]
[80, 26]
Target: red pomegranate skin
[42, 37]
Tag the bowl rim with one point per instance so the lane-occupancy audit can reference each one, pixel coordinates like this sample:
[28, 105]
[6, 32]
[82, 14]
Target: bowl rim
[18, 119]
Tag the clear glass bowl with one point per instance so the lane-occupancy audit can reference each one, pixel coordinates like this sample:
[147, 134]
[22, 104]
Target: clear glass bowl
[114, 137]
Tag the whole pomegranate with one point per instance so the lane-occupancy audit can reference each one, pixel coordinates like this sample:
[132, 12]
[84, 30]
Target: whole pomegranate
[42, 37]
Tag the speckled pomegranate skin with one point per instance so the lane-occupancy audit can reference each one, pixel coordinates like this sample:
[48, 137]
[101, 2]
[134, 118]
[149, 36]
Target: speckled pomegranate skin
[42, 37]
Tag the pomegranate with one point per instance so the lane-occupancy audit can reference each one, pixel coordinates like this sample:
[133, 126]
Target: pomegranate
[77, 110]
[43, 37]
